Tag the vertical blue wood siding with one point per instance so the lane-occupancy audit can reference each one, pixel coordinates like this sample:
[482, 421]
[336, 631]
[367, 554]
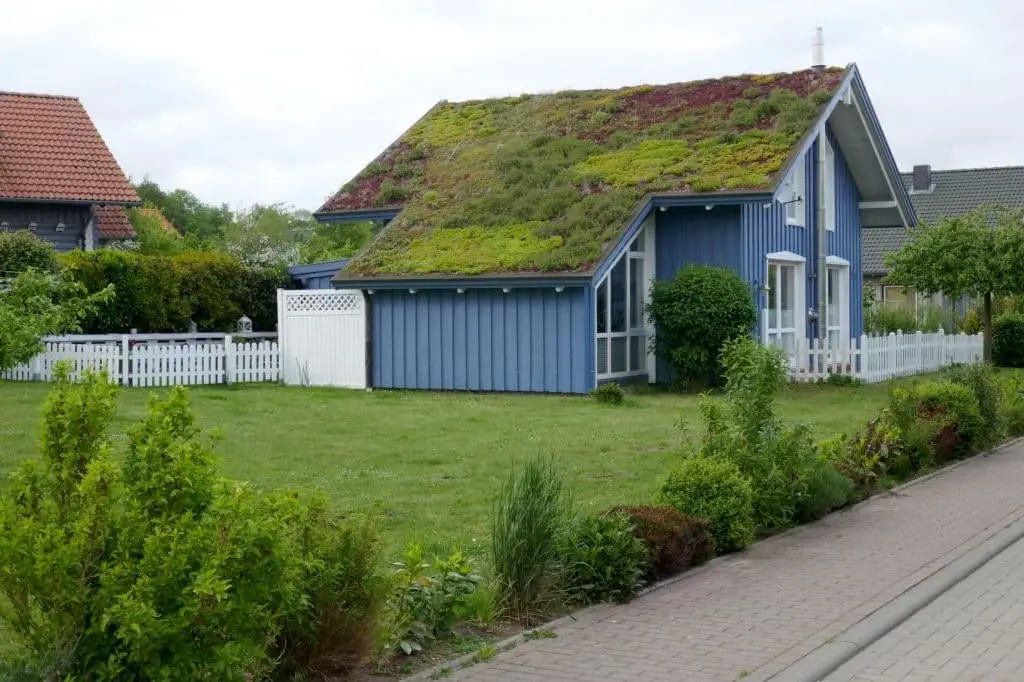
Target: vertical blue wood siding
[693, 235]
[74, 216]
[531, 339]
[845, 242]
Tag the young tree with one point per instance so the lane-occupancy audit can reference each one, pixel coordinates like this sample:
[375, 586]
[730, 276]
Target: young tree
[976, 254]
[36, 304]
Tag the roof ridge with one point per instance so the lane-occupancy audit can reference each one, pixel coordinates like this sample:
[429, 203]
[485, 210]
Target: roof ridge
[39, 95]
[968, 169]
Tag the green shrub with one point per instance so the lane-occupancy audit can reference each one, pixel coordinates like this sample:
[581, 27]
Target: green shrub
[162, 294]
[695, 314]
[984, 384]
[22, 250]
[716, 490]
[159, 569]
[674, 541]
[601, 560]
[609, 394]
[1008, 340]
[955, 409]
[426, 599]
[827, 489]
[1012, 386]
[970, 323]
[745, 430]
[527, 518]
[883, 319]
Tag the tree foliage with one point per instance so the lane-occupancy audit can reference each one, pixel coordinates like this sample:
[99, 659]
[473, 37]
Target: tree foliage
[331, 241]
[201, 222]
[36, 304]
[976, 254]
[153, 237]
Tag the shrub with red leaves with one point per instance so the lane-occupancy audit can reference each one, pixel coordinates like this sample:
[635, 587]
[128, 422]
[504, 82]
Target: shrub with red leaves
[675, 541]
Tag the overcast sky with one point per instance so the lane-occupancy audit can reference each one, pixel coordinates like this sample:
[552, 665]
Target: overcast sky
[286, 103]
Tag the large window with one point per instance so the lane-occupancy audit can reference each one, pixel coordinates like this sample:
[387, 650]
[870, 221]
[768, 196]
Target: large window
[830, 186]
[781, 314]
[794, 195]
[621, 323]
[837, 305]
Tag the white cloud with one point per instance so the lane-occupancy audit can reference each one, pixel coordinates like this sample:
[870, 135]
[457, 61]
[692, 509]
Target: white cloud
[241, 102]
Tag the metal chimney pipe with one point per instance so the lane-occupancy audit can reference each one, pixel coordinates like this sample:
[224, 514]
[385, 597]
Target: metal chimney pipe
[818, 49]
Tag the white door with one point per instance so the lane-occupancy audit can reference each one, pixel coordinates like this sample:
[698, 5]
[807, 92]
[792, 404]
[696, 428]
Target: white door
[322, 336]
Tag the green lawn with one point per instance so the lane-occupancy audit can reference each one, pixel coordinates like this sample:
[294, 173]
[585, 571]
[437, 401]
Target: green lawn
[430, 463]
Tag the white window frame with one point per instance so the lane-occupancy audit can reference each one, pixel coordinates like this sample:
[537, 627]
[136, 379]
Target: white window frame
[799, 329]
[643, 328]
[841, 267]
[830, 186]
[793, 196]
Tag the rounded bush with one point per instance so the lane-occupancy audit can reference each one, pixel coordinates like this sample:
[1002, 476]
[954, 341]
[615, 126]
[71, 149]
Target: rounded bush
[22, 250]
[955, 409]
[716, 490]
[609, 394]
[695, 313]
[1008, 340]
[602, 559]
[675, 541]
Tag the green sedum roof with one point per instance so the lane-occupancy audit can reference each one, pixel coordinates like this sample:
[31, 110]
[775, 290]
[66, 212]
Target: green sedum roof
[545, 183]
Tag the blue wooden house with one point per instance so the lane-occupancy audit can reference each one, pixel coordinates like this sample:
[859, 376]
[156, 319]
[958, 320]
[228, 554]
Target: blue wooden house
[525, 232]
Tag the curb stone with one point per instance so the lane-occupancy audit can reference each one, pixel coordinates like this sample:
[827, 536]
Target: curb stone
[466, 660]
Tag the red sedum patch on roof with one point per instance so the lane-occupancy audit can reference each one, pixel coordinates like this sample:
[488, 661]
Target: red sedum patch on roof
[546, 182]
[50, 150]
[113, 223]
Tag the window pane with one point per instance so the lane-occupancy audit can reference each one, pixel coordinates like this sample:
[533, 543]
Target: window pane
[786, 299]
[637, 353]
[602, 356]
[619, 354]
[618, 296]
[638, 242]
[636, 293]
[773, 297]
[833, 338]
[788, 341]
[832, 297]
[602, 307]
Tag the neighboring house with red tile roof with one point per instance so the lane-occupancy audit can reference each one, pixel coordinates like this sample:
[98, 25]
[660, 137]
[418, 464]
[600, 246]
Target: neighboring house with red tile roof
[58, 178]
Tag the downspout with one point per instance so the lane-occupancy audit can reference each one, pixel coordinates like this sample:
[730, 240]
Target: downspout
[821, 273]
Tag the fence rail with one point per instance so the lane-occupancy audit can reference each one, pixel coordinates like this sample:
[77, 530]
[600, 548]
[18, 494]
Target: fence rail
[158, 359]
[872, 359]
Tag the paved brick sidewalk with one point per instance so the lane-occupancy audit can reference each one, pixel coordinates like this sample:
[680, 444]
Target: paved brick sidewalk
[975, 631]
[755, 613]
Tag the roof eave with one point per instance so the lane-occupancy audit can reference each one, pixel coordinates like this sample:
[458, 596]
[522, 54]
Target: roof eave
[453, 281]
[357, 215]
[77, 202]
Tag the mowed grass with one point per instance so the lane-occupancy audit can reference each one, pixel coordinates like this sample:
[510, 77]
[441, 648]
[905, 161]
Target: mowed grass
[430, 463]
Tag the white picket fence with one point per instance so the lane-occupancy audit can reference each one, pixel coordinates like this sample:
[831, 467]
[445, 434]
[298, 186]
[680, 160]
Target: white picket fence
[878, 358]
[159, 359]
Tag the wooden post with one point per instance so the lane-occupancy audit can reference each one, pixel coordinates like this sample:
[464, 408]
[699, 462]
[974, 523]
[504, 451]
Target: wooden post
[229, 360]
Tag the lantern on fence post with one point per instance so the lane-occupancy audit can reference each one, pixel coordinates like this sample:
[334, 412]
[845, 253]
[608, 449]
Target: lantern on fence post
[244, 324]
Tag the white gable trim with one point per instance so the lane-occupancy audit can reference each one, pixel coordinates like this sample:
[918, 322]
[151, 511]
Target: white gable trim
[878, 157]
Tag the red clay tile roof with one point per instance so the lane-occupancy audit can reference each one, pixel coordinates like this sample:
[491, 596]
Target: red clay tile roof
[155, 213]
[50, 149]
[113, 223]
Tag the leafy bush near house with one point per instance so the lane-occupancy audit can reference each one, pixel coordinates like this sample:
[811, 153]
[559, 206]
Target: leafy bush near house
[955, 409]
[744, 429]
[156, 568]
[22, 250]
[1008, 340]
[601, 560]
[674, 541]
[713, 489]
[527, 519]
[882, 319]
[426, 599]
[982, 381]
[161, 294]
[827, 489]
[970, 323]
[609, 394]
[695, 313]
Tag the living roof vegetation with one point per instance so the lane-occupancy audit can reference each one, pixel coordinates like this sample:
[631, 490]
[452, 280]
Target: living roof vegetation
[544, 183]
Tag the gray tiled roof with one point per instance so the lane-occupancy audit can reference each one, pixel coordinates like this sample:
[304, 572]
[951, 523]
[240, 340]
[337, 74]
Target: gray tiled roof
[955, 192]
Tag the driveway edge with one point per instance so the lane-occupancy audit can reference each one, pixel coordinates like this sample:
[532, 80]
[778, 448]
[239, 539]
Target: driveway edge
[468, 660]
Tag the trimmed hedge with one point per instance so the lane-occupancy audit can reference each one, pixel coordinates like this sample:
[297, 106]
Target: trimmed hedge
[161, 294]
[714, 489]
[22, 250]
[1008, 340]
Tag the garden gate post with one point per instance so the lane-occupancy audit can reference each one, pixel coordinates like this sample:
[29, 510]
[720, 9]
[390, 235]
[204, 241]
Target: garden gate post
[125, 378]
[229, 360]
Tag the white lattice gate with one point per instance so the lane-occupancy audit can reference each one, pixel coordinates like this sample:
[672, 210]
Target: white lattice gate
[322, 335]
